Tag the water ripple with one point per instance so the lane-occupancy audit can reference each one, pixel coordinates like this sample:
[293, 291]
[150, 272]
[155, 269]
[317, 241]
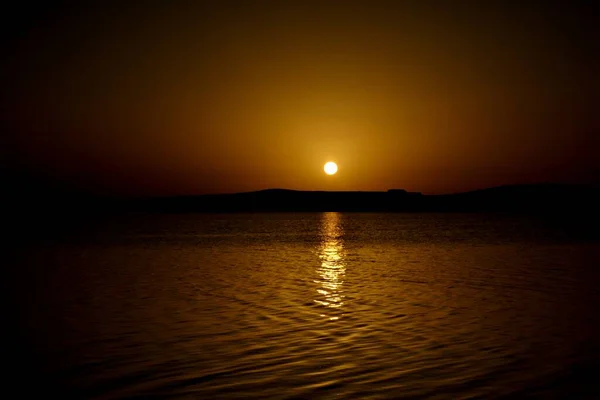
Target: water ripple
[316, 306]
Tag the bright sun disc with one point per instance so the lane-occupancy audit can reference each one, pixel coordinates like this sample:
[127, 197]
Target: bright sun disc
[330, 168]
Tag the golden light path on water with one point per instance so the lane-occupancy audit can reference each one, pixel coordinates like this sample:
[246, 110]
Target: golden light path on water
[332, 268]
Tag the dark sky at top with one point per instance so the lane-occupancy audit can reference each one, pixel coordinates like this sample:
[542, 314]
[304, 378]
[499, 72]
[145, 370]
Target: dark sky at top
[199, 97]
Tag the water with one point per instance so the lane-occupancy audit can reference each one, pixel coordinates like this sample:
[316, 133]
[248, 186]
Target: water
[316, 305]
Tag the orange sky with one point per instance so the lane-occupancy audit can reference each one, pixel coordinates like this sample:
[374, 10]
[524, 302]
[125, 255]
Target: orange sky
[204, 97]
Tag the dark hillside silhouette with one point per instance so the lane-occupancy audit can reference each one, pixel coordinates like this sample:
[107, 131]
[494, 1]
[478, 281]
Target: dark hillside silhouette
[557, 198]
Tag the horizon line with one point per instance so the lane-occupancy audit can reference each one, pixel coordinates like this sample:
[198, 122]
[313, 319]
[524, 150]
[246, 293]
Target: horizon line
[590, 185]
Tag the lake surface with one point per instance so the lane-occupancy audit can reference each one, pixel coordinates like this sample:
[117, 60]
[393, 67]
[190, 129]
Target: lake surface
[323, 305]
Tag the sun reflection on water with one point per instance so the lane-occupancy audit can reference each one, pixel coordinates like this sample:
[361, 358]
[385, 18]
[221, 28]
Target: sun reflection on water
[332, 268]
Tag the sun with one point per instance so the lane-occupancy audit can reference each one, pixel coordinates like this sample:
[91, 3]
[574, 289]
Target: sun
[330, 168]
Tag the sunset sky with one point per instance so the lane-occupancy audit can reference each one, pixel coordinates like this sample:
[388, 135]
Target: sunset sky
[161, 98]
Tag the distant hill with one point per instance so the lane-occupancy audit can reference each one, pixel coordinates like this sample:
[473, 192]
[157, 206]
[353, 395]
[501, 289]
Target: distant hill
[558, 198]
[513, 198]
[545, 197]
[35, 213]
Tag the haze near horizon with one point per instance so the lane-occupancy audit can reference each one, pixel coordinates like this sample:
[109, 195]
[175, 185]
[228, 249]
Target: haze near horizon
[220, 97]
